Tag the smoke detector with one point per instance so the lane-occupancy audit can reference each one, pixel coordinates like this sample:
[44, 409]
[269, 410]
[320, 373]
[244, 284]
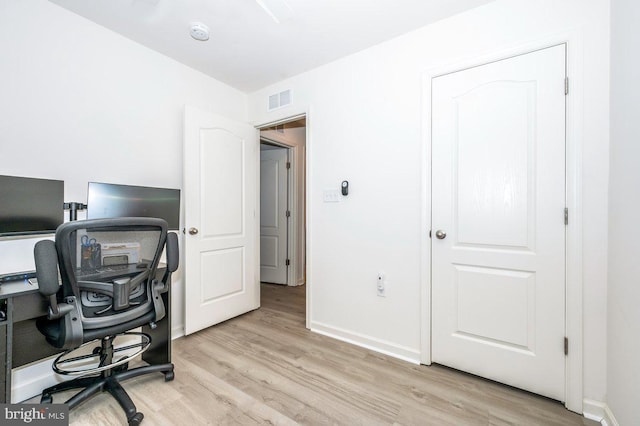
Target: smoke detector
[199, 31]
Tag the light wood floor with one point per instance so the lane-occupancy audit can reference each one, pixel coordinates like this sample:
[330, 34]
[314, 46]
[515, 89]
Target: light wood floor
[266, 368]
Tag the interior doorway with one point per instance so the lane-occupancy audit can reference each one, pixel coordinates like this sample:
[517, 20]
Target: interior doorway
[283, 203]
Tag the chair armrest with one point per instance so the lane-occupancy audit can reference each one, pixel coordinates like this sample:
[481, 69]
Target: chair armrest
[173, 255]
[46, 259]
[162, 286]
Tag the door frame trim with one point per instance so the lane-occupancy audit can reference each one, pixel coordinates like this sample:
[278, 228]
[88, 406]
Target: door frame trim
[573, 181]
[281, 117]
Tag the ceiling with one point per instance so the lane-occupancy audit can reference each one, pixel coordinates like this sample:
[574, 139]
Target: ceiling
[247, 48]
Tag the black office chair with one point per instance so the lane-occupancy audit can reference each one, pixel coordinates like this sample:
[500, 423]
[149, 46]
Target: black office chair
[109, 287]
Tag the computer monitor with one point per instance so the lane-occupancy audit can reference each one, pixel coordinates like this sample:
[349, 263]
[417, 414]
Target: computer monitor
[107, 200]
[30, 205]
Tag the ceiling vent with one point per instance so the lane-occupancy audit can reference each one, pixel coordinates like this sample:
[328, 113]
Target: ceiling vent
[279, 100]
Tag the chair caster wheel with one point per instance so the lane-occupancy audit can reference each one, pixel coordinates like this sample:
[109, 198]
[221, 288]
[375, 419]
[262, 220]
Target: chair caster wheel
[136, 419]
[46, 399]
[169, 376]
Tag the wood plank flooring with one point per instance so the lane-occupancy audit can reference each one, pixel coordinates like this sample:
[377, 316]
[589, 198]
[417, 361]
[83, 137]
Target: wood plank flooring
[266, 368]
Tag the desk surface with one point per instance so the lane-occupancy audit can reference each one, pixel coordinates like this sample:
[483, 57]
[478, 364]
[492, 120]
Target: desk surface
[14, 288]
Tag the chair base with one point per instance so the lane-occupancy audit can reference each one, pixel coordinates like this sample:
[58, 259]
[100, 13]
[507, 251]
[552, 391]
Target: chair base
[108, 382]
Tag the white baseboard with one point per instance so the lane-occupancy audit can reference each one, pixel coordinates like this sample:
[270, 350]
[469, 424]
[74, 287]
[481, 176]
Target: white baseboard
[177, 332]
[377, 345]
[599, 411]
[30, 380]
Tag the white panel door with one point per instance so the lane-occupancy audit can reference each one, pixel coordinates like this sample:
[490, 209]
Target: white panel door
[273, 214]
[221, 219]
[498, 193]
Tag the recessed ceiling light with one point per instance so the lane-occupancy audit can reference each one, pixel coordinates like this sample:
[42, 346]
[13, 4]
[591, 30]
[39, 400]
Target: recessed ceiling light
[199, 31]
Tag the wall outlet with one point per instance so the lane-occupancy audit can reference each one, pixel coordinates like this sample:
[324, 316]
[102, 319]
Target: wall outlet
[381, 285]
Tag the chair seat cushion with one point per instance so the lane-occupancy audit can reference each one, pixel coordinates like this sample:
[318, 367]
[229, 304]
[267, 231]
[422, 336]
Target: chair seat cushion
[54, 330]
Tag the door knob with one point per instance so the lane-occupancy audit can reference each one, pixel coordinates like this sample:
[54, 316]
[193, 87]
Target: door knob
[440, 234]
[193, 231]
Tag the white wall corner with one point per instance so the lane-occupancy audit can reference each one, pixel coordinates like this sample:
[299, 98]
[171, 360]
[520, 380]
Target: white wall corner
[387, 348]
[600, 412]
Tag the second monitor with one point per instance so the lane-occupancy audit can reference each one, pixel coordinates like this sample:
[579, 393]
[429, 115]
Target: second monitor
[107, 200]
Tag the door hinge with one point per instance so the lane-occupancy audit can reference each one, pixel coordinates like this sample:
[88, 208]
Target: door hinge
[566, 346]
[566, 85]
[288, 213]
[288, 165]
[566, 215]
[429, 233]
[288, 262]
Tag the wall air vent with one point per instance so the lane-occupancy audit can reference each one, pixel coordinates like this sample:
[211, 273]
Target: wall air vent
[279, 100]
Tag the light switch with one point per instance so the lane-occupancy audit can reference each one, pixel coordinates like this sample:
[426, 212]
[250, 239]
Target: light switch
[331, 196]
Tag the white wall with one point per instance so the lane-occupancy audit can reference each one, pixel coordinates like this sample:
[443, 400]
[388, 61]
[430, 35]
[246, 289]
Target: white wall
[365, 126]
[80, 103]
[623, 325]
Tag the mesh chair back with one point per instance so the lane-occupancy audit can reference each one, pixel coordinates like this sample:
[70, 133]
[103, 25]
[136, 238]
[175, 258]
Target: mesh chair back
[109, 266]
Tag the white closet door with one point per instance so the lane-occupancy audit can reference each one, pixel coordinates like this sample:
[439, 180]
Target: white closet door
[498, 275]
